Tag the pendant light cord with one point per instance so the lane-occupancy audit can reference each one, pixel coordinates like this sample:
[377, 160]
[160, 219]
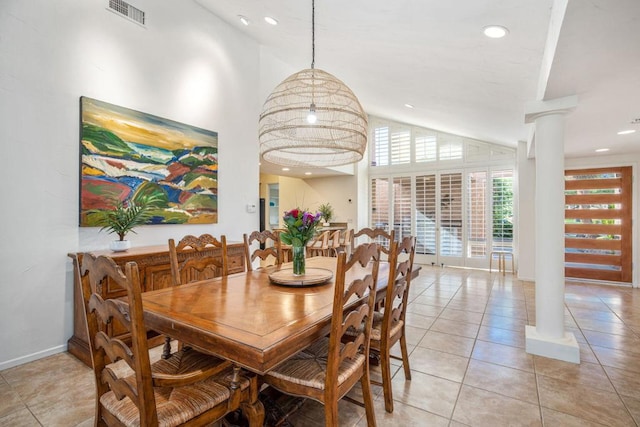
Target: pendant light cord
[313, 33]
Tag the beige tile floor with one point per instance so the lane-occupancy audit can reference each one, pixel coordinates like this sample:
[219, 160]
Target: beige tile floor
[469, 367]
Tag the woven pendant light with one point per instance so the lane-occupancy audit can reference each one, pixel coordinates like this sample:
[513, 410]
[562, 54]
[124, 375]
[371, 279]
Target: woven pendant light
[312, 119]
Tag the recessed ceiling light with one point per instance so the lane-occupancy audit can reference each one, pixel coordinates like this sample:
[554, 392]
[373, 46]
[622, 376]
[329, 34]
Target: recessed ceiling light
[270, 20]
[495, 31]
[626, 132]
[601, 150]
[308, 173]
[286, 169]
[409, 106]
[244, 20]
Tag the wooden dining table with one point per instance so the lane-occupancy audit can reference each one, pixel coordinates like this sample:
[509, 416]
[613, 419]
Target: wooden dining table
[244, 317]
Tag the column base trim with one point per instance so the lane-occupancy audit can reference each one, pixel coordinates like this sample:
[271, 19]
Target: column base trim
[565, 349]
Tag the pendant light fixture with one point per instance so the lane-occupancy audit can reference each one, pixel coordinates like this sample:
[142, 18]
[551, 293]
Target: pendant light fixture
[312, 119]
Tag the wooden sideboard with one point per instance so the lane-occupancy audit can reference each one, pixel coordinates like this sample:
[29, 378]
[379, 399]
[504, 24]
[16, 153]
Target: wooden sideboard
[155, 273]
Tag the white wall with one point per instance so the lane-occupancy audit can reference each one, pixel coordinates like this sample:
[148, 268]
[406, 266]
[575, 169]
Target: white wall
[311, 193]
[525, 211]
[186, 65]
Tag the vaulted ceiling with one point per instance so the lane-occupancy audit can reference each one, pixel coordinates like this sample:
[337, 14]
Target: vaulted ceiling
[433, 55]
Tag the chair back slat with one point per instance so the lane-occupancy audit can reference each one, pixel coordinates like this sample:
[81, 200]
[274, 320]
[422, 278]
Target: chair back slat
[199, 260]
[377, 235]
[269, 247]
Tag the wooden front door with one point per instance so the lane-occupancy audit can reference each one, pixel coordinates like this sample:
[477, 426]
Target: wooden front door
[598, 208]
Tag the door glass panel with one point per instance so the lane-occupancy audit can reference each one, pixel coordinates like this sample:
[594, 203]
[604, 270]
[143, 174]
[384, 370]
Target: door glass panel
[502, 195]
[476, 216]
[426, 214]
[402, 207]
[380, 203]
[451, 214]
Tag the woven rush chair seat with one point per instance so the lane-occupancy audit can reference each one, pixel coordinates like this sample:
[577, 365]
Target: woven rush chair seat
[376, 329]
[177, 405]
[309, 367]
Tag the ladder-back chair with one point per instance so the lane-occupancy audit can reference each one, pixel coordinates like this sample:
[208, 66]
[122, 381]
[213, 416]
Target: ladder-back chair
[189, 388]
[330, 367]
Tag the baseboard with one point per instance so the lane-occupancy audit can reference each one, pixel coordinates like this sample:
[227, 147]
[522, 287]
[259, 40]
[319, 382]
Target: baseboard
[31, 357]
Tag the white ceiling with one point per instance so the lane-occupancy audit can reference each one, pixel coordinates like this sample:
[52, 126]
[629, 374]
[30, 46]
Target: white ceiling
[433, 54]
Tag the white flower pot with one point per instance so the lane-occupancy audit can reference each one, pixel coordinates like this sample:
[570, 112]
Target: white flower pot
[119, 245]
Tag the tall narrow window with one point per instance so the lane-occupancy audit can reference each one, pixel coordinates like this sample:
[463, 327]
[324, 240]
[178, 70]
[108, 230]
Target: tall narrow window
[402, 207]
[476, 214]
[450, 148]
[380, 203]
[426, 148]
[380, 146]
[502, 197]
[426, 214]
[400, 147]
[451, 214]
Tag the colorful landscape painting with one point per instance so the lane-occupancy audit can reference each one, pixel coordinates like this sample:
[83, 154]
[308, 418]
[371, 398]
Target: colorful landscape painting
[128, 155]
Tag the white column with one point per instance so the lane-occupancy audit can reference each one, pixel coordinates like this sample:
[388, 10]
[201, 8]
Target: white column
[549, 338]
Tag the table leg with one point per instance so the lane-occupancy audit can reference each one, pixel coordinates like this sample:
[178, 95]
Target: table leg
[253, 408]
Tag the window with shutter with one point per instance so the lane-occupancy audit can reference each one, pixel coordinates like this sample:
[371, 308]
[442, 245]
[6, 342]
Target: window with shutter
[402, 207]
[502, 207]
[426, 148]
[380, 203]
[476, 214]
[400, 147]
[380, 146]
[451, 214]
[426, 214]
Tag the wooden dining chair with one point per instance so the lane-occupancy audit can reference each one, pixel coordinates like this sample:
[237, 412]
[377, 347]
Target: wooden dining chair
[189, 388]
[269, 248]
[330, 367]
[377, 235]
[389, 324]
[334, 243]
[193, 258]
[319, 245]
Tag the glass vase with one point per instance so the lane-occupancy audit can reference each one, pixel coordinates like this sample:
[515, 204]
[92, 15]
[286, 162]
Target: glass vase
[298, 260]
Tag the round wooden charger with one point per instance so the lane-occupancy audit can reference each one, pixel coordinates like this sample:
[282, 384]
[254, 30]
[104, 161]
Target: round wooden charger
[312, 276]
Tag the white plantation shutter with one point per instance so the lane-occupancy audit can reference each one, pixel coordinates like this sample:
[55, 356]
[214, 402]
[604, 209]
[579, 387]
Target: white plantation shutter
[380, 203]
[476, 214]
[402, 207]
[451, 214]
[400, 147]
[380, 146]
[450, 148]
[426, 214]
[426, 148]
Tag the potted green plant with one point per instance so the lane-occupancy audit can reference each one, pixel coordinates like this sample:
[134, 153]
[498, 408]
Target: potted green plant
[125, 217]
[326, 210]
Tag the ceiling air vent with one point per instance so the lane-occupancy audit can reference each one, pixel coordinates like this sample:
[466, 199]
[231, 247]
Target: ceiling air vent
[125, 9]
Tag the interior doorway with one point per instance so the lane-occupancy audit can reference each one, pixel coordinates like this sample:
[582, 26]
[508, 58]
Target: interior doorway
[273, 209]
